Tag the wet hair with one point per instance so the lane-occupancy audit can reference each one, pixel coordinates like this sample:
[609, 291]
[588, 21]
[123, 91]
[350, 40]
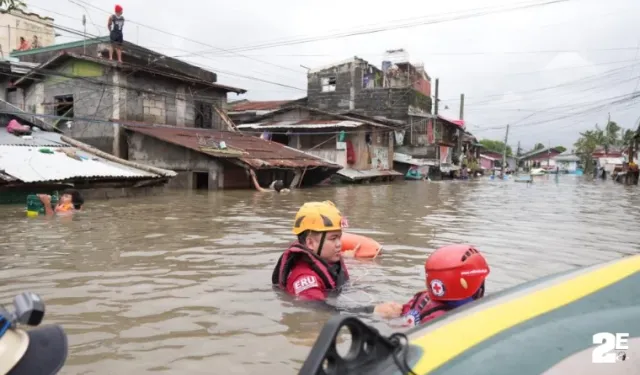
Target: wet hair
[278, 185]
[302, 237]
[76, 198]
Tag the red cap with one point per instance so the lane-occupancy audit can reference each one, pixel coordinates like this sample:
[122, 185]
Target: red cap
[118, 9]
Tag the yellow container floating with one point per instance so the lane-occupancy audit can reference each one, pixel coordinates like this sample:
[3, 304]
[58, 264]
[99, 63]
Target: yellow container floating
[545, 326]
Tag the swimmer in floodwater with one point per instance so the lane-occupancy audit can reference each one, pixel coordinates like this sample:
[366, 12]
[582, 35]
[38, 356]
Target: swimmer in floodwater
[278, 186]
[70, 201]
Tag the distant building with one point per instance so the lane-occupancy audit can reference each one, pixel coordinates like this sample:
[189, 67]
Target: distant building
[542, 158]
[362, 146]
[17, 23]
[398, 90]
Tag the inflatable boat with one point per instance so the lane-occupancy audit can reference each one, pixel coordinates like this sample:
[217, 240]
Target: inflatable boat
[584, 321]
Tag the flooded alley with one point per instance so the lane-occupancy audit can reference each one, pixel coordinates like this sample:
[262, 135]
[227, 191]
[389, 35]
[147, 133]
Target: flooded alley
[180, 283]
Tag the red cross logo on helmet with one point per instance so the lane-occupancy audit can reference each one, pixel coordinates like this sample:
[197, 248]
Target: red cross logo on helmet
[437, 288]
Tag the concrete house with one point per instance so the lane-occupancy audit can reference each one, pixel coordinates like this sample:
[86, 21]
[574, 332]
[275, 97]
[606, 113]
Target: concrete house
[76, 81]
[362, 146]
[397, 90]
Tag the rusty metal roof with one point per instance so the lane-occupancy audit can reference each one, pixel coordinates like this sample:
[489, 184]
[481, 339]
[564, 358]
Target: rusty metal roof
[253, 151]
[302, 124]
[259, 106]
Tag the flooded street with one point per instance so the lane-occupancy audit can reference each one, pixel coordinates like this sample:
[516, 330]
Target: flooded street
[181, 283]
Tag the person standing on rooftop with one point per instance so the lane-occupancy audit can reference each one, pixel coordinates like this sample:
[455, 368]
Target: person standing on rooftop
[115, 26]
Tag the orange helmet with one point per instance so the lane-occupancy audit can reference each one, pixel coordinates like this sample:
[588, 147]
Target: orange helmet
[455, 272]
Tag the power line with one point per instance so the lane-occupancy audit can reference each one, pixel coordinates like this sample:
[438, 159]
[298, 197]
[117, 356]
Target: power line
[81, 33]
[393, 27]
[192, 40]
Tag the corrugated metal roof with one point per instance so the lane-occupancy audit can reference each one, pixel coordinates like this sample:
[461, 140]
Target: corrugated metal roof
[303, 124]
[356, 174]
[408, 159]
[38, 138]
[458, 123]
[256, 152]
[28, 164]
[259, 106]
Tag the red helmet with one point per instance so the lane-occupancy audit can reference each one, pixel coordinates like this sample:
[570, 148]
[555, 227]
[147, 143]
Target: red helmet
[118, 9]
[455, 272]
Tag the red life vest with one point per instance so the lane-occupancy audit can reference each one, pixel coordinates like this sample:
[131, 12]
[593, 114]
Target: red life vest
[296, 253]
[422, 309]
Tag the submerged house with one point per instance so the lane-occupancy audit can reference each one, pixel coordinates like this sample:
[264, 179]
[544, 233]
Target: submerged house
[42, 161]
[398, 90]
[76, 81]
[213, 159]
[541, 158]
[567, 162]
[154, 109]
[362, 146]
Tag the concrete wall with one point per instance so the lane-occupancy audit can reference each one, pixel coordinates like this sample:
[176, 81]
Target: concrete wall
[18, 24]
[373, 100]
[93, 103]
[150, 151]
[111, 94]
[172, 103]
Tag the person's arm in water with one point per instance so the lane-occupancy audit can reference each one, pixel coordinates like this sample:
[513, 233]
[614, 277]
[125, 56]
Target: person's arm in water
[308, 288]
[46, 202]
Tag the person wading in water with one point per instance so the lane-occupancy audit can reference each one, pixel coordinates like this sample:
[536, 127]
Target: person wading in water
[115, 25]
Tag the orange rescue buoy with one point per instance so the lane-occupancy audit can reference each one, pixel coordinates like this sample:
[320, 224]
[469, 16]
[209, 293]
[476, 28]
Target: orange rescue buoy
[368, 247]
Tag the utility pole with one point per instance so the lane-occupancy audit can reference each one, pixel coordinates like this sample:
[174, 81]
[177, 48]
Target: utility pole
[435, 106]
[504, 152]
[518, 157]
[461, 106]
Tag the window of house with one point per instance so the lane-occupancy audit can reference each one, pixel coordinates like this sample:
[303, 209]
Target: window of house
[63, 107]
[328, 84]
[203, 115]
[200, 180]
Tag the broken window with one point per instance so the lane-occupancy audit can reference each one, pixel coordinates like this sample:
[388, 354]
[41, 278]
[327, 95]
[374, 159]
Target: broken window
[63, 108]
[328, 84]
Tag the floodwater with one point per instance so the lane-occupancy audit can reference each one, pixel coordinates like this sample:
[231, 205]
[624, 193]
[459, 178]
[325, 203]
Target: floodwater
[180, 284]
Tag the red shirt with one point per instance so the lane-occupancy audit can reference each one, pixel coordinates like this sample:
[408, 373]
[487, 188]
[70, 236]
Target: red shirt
[305, 284]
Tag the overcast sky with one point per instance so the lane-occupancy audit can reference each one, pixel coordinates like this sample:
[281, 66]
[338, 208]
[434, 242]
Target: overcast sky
[549, 71]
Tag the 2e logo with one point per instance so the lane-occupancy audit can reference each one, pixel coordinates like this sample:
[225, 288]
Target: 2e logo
[607, 343]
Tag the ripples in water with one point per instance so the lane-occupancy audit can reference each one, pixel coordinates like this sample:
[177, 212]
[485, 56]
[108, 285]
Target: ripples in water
[181, 283]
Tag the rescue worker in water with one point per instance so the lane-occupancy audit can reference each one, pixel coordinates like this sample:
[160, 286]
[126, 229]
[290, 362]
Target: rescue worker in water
[455, 276]
[312, 266]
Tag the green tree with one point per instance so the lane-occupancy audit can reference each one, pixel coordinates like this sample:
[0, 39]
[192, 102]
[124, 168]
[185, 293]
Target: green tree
[538, 146]
[9, 5]
[496, 146]
[561, 149]
[612, 136]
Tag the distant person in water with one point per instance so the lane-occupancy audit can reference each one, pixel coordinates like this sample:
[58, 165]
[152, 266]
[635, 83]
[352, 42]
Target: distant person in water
[278, 186]
[70, 202]
[115, 26]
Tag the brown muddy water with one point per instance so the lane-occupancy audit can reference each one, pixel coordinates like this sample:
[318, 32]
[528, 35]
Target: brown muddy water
[180, 284]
